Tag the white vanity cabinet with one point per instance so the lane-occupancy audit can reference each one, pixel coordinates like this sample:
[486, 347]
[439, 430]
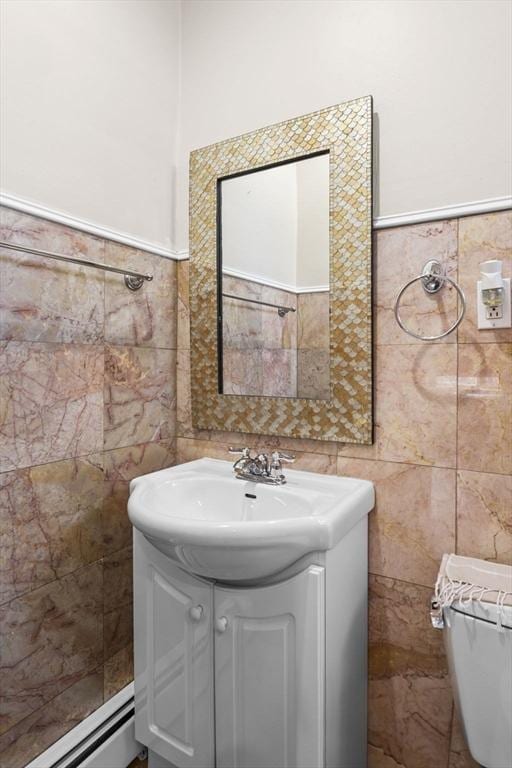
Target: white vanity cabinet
[266, 676]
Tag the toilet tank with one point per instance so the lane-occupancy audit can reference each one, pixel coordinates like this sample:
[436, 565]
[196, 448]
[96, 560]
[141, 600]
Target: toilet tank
[480, 662]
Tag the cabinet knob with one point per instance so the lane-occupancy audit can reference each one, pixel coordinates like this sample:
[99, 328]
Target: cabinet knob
[196, 612]
[221, 624]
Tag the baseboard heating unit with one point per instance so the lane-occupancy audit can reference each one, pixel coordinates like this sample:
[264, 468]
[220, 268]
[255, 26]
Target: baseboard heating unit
[104, 739]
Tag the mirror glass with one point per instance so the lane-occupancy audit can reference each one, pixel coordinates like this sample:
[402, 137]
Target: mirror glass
[273, 272]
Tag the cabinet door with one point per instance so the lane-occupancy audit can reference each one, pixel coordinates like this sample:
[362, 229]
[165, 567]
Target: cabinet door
[173, 660]
[270, 674]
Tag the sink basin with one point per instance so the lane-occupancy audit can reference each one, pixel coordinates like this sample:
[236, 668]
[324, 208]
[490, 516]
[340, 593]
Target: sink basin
[233, 530]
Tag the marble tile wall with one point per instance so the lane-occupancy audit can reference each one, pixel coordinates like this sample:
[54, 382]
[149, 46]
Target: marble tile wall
[313, 361]
[87, 401]
[259, 347]
[441, 465]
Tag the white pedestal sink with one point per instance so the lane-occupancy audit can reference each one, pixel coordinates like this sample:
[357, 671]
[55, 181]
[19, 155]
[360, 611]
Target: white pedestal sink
[250, 618]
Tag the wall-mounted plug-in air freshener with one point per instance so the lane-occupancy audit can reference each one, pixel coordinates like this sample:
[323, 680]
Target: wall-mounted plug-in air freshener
[493, 296]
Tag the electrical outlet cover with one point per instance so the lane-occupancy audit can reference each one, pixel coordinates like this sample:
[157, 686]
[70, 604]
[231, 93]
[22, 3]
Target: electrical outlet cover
[491, 323]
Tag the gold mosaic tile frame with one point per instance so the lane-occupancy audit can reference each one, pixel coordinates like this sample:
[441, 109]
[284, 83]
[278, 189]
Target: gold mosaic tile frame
[345, 130]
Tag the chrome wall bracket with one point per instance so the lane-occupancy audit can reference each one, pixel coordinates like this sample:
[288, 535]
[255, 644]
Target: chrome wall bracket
[134, 283]
[432, 277]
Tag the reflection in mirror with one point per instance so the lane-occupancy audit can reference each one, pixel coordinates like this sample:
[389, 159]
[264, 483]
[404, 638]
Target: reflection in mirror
[274, 296]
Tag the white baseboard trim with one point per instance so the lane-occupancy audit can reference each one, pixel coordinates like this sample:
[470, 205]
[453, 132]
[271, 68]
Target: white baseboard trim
[379, 222]
[445, 212]
[493, 205]
[42, 212]
[180, 255]
[116, 750]
[267, 282]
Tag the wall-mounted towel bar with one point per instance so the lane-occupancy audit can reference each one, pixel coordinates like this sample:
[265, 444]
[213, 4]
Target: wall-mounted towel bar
[281, 311]
[133, 280]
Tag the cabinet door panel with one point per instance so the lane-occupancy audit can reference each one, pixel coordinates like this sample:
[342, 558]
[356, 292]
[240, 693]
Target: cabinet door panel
[270, 674]
[173, 660]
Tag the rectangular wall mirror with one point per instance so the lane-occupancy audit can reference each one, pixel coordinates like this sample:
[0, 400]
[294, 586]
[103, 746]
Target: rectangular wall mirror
[280, 278]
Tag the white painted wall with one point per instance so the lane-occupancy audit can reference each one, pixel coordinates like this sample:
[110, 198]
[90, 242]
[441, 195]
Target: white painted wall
[90, 94]
[259, 225]
[275, 225]
[89, 103]
[313, 223]
[440, 74]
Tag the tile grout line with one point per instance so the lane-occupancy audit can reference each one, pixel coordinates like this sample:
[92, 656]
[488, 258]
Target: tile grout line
[103, 621]
[400, 581]
[103, 473]
[103, 342]
[450, 738]
[353, 458]
[104, 554]
[82, 567]
[83, 456]
[96, 670]
[456, 521]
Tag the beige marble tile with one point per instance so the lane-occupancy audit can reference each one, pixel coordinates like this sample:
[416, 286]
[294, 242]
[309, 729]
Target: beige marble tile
[460, 756]
[313, 321]
[410, 702]
[117, 602]
[50, 522]
[313, 374]
[378, 759]
[121, 466]
[484, 516]
[240, 287]
[322, 463]
[42, 299]
[189, 449]
[400, 255]
[183, 318]
[278, 332]
[270, 443]
[40, 730]
[146, 317]
[482, 238]
[279, 369]
[184, 426]
[183, 397]
[413, 523]
[242, 371]
[51, 402]
[52, 638]
[241, 321]
[485, 408]
[140, 395]
[415, 406]
[118, 671]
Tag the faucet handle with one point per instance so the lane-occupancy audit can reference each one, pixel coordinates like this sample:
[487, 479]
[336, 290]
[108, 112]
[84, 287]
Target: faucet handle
[287, 458]
[239, 452]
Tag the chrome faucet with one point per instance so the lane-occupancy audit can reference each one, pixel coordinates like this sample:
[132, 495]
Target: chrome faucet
[261, 468]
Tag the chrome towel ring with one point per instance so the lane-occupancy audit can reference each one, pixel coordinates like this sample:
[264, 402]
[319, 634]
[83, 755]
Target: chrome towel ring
[433, 280]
